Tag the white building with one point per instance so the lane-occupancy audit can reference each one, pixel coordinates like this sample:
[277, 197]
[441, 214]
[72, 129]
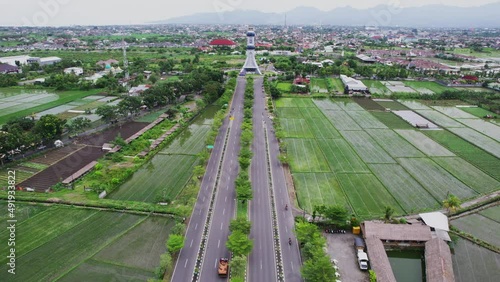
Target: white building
[25, 59]
[353, 84]
[75, 71]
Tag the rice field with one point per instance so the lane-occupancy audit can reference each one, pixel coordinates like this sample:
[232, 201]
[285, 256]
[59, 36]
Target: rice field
[439, 118]
[288, 113]
[479, 140]
[414, 105]
[435, 179]
[341, 157]
[393, 105]
[337, 84]
[469, 174]
[341, 120]
[367, 148]
[348, 105]
[428, 85]
[472, 154]
[325, 104]
[284, 87]
[365, 119]
[318, 189]
[478, 112]
[318, 85]
[472, 263]
[305, 156]
[480, 227]
[487, 128]
[190, 141]
[492, 213]
[454, 112]
[296, 128]
[92, 270]
[394, 144]
[285, 103]
[164, 175]
[391, 120]
[367, 195]
[406, 190]
[425, 144]
[376, 87]
[319, 126]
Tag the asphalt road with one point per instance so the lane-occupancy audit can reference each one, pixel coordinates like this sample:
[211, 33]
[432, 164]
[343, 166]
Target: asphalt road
[290, 253]
[262, 262]
[225, 201]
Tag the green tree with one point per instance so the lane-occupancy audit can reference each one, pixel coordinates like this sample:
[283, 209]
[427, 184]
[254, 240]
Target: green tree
[175, 243]
[240, 224]
[239, 243]
[305, 231]
[49, 127]
[178, 229]
[107, 112]
[129, 105]
[451, 203]
[238, 266]
[388, 212]
[243, 189]
[318, 269]
[78, 125]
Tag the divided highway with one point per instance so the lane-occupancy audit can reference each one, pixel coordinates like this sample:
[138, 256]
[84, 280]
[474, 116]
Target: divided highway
[262, 262]
[224, 208]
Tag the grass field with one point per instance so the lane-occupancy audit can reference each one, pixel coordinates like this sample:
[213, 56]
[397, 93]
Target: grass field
[435, 179]
[306, 156]
[394, 144]
[425, 144]
[164, 175]
[367, 148]
[408, 192]
[63, 98]
[430, 85]
[469, 174]
[479, 140]
[338, 86]
[318, 189]
[367, 195]
[474, 155]
[72, 247]
[340, 156]
[285, 87]
[480, 227]
[391, 120]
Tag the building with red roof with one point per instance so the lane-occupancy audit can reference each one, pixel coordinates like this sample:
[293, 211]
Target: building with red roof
[222, 43]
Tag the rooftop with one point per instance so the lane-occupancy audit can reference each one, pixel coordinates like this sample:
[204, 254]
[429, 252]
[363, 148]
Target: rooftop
[438, 263]
[397, 232]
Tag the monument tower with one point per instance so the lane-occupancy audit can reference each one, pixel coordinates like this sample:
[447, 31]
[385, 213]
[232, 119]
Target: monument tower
[250, 63]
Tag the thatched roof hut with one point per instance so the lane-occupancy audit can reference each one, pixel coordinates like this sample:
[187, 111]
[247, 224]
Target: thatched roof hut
[438, 264]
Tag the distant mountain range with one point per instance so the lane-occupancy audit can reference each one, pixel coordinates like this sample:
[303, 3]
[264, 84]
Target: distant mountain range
[426, 16]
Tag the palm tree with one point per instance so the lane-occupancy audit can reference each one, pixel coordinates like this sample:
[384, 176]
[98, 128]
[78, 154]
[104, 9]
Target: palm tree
[388, 212]
[451, 203]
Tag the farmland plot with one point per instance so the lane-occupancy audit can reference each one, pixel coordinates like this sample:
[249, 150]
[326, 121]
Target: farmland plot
[454, 112]
[394, 144]
[414, 105]
[440, 119]
[296, 128]
[348, 105]
[414, 119]
[306, 156]
[425, 144]
[190, 141]
[318, 189]
[366, 147]
[367, 195]
[319, 85]
[72, 247]
[435, 179]
[44, 227]
[23, 212]
[408, 192]
[320, 127]
[326, 104]
[285, 103]
[469, 174]
[480, 227]
[492, 213]
[479, 140]
[303, 103]
[473, 263]
[291, 113]
[365, 119]
[376, 87]
[474, 155]
[341, 157]
[393, 105]
[141, 247]
[341, 120]
[391, 120]
[92, 270]
[164, 175]
[478, 112]
[487, 128]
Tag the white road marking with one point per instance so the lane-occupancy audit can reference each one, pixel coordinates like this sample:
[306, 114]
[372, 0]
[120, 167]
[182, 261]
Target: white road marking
[200, 211]
[221, 224]
[291, 263]
[286, 229]
[190, 245]
[260, 264]
[215, 265]
[203, 198]
[196, 226]
[186, 263]
[225, 199]
[223, 211]
[218, 244]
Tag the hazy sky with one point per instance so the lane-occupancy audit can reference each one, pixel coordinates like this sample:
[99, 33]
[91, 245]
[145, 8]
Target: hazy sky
[102, 12]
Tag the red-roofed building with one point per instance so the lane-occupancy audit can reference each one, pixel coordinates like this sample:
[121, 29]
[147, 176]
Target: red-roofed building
[264, 45]
[301, 81]
[223, 43]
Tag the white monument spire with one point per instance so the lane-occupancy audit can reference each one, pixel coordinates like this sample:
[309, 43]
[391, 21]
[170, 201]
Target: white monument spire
[250, 63]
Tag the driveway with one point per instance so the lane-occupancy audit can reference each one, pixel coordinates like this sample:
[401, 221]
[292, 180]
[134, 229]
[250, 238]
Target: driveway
[341, 248]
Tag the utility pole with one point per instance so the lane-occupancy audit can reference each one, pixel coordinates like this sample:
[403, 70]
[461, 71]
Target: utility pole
[125, 60]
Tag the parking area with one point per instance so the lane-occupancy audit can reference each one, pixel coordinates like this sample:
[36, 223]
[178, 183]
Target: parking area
[341, 248]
